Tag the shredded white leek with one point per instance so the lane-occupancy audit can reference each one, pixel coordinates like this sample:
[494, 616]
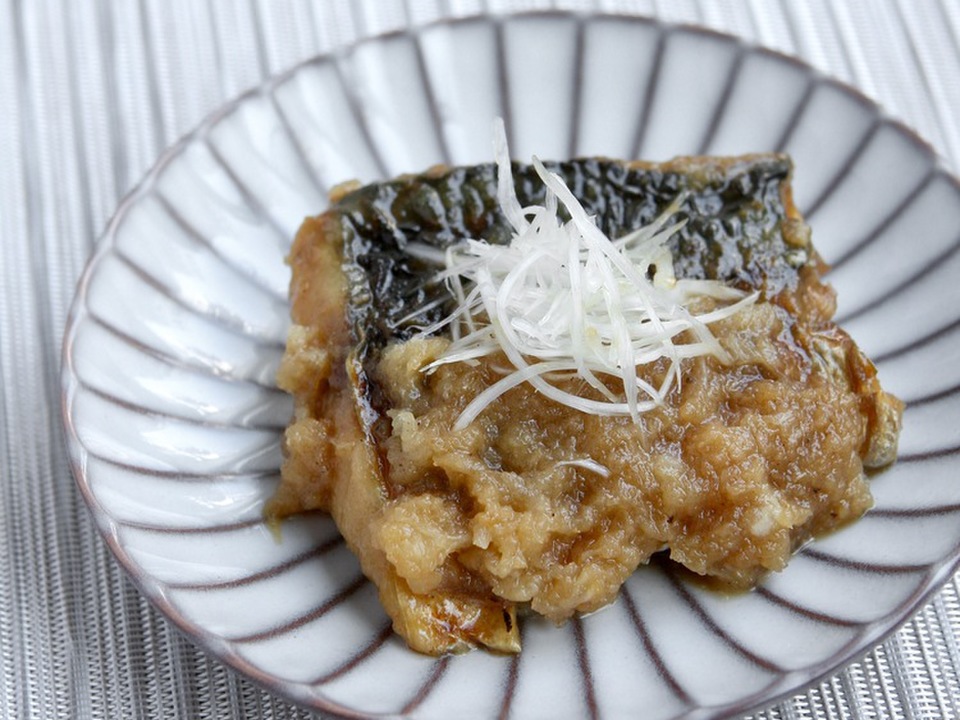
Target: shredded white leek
[562, 300]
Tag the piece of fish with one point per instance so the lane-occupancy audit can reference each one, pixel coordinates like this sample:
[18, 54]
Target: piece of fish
[361, 280]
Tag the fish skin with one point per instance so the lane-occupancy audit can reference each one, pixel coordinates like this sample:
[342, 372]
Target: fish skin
[742, 229]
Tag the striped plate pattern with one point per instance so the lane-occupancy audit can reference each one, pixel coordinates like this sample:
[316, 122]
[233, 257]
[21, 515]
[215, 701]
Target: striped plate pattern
[174, 421]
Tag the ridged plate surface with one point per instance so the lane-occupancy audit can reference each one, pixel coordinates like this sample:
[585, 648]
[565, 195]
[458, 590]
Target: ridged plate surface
[174, 421]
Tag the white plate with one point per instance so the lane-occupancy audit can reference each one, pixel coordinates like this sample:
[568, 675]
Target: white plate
[179, 321]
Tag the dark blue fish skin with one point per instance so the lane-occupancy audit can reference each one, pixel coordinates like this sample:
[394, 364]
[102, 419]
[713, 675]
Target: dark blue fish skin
[741, 227]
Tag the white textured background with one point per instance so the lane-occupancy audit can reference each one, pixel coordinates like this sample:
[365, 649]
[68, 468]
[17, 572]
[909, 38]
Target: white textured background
[90, 93]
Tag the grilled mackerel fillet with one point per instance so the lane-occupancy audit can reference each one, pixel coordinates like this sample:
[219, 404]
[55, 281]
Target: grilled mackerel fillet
[428, 514]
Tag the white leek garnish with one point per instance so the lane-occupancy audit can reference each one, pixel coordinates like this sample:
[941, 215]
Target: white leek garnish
[562, 300]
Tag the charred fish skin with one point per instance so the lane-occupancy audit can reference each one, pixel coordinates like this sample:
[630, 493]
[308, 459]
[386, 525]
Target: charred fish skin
[741, 227]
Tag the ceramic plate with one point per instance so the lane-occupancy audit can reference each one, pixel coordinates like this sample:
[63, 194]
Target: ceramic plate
[174, 421]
